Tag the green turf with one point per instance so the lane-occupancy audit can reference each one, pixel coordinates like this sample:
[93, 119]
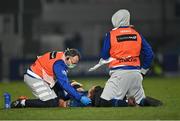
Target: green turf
[165, 89]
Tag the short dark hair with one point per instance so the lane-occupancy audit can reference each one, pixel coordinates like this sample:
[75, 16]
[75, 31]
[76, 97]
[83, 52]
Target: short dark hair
[72, 52]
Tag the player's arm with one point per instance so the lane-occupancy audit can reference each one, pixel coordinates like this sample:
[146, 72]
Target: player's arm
[106, 47]
[59, 69]
[147, 56]
[61, 76]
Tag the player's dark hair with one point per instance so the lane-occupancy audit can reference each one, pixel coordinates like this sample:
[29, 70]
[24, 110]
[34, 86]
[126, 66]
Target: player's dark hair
[72, 52]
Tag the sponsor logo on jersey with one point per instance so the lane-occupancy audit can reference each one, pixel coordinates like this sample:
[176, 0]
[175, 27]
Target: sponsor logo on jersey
[127, 37]
[128, 59]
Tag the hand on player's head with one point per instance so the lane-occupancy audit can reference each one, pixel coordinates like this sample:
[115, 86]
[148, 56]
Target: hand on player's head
[78, 86]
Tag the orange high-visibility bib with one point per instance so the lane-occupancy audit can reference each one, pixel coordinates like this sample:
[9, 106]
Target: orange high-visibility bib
[125, 47]
[43, 66]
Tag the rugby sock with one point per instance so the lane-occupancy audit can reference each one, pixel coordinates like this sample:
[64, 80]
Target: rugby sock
[119, 103]
[40, 103]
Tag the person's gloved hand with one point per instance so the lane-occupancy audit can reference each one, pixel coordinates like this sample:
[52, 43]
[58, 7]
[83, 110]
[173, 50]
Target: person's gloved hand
[144, 71]
[85, 100]
[100, 63]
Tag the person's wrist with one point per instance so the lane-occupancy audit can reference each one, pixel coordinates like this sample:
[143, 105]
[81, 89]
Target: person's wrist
[144, 71]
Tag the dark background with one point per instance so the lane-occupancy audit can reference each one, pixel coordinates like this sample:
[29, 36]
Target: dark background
[32, 27]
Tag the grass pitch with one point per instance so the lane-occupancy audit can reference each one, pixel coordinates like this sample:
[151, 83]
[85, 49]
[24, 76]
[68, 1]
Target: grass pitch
[165, 89]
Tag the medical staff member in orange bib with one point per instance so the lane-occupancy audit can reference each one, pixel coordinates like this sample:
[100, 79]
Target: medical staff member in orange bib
[122, 49]
[47, 78]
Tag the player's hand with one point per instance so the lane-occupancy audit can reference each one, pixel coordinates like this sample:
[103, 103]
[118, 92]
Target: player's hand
[142, 75]
[144, 72]
[95, 67]
[100, 63]
[85, 100]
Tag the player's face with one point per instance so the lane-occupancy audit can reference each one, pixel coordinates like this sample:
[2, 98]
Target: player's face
[72, 61]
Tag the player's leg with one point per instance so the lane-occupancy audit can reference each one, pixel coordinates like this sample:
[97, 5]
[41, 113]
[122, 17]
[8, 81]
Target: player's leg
[46, 96]
[136, 89]
[116, 88]
[20, 103]
[39, 103]
[39, 88]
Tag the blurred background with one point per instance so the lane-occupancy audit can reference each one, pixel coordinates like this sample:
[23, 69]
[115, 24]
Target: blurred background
[32, 27]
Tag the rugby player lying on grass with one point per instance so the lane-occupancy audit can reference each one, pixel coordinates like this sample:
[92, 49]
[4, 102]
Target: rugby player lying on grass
[94, 94]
